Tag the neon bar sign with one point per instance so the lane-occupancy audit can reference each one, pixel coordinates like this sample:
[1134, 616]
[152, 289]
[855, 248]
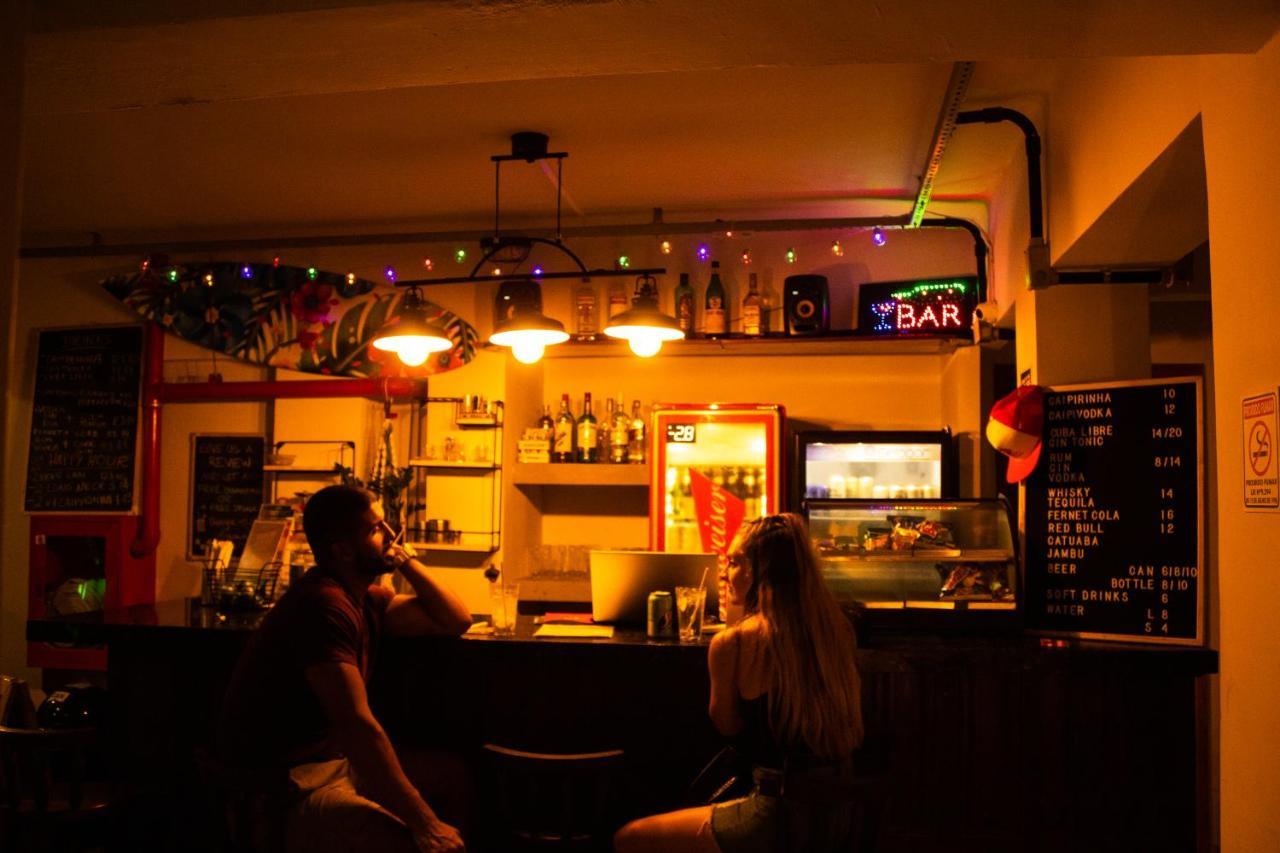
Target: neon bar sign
[941, 307]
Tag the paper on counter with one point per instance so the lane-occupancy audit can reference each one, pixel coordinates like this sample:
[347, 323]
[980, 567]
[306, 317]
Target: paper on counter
[603, 632]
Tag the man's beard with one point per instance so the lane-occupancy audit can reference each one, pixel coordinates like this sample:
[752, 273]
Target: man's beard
[372, 567]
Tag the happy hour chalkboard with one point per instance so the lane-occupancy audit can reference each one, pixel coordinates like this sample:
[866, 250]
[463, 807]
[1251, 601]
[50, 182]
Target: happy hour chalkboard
[226, 489]
[1113, 526]
[84, 420]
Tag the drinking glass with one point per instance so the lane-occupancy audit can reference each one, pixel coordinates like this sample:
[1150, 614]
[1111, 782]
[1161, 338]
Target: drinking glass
[504, 599]
[691, 601]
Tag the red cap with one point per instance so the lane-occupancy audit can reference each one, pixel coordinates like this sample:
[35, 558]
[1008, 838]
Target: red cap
[1015, 427]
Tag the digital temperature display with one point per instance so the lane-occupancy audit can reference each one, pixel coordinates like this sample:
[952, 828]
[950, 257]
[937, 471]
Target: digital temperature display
[681, 434]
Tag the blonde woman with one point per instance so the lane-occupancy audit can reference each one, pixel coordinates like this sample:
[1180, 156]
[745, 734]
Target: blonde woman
[785, 686]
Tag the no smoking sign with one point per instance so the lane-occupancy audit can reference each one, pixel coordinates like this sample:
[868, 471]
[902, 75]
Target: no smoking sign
[1261, 480]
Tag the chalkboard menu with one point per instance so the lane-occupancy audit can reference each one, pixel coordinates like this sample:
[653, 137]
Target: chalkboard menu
[1113, 527]
[84, 420]
[226, 489]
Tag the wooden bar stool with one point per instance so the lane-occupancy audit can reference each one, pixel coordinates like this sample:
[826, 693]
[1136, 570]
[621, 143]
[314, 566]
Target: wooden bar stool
[554, 801]
[48, 799]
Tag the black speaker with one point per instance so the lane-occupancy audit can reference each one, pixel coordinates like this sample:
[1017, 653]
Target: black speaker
[807, 305]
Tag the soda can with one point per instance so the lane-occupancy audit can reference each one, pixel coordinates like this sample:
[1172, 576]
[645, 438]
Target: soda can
[661, 614]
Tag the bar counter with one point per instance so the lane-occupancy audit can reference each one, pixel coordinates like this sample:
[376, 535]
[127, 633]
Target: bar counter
[1000, 742]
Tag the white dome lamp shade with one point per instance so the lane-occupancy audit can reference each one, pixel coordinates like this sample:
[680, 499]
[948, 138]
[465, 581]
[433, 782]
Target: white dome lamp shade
[413, 337]
[643, 326]
[528, 335]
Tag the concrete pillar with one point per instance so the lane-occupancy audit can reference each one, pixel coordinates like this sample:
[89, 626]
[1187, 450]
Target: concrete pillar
[1072, 334]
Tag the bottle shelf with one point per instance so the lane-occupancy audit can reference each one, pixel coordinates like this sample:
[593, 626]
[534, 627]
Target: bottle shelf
[489, 422]
[469, 466]
[920, 555]
[585, 474]
[457, 546]
[772, 345]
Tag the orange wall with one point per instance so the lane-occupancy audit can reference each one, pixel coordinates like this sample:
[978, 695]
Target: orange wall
[1108, 120]
[13, 588]
[1242, 135]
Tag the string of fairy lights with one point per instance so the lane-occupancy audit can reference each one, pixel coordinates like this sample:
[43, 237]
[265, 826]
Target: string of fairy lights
[413, 333]
[702, 252]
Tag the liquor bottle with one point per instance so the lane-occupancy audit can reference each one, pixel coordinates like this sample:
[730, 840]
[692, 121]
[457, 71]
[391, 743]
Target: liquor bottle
[619, 431]
[636, 442]
[547, 425]
[584, 307]
[602, 439]
[751, 305]
[731, 482]
[683, 298]
[769, 315]
[715, 314]
[588, 433]
[605, 432]
[751, 497]
[566, 438]
[618, 300]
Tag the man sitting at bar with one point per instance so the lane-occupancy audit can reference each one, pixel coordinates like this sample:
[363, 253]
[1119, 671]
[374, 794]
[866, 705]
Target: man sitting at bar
[297, 700]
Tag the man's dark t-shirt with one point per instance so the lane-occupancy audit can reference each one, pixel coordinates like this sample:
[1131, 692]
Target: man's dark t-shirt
[270, 716]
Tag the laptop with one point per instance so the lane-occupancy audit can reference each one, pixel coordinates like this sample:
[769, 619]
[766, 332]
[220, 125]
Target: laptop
[622, 580]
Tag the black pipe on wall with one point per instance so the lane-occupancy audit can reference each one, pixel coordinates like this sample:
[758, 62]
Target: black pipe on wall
[1035, 193]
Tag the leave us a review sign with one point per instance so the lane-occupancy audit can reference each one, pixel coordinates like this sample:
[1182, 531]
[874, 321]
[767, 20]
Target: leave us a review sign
[1261, 475]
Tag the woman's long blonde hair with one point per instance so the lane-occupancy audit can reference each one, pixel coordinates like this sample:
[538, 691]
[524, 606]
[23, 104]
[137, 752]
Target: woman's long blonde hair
[815, 692]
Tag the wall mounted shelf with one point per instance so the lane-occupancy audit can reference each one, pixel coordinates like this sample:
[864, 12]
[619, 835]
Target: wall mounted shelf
[438, 464]
[600, 474]
[445, 546]
[771, 346]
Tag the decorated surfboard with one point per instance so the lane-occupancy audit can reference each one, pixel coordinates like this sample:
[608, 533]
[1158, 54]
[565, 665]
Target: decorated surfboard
[298, 318]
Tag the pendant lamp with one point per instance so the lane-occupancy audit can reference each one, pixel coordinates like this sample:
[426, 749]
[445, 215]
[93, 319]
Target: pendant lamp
[643, 326]
[526, 329]
[413, 336]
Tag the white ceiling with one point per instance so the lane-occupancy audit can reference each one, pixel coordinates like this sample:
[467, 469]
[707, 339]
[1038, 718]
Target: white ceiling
[220, 119]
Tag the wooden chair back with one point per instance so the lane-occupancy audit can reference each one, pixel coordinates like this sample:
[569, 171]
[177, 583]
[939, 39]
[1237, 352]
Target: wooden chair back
[553, 800]
[45, 788]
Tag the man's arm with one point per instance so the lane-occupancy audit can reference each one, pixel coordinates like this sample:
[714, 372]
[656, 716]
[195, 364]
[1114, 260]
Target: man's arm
[341, 692]
[433, 609]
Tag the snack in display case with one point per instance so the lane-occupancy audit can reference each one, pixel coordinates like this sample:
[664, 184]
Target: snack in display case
[926, 555]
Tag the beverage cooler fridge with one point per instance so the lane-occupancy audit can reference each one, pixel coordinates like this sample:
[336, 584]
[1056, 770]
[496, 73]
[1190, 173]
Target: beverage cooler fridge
[712, 466]
[835, 465]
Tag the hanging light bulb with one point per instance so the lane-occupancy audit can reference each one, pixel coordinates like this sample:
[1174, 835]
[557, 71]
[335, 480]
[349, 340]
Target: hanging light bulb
[837, 249]
[643, 326]
[528, 352]
[527, 331]
[413, 337]
[704, 251]
[645, 347]
[665, 246]
[791, 256]
[877, 236]
[746, 256]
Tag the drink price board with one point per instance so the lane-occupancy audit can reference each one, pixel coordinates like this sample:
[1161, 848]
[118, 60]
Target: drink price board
[84, 421]
[1113, 514]
[227, 483]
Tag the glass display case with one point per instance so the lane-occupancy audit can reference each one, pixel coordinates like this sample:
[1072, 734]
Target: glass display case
[918, 556]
